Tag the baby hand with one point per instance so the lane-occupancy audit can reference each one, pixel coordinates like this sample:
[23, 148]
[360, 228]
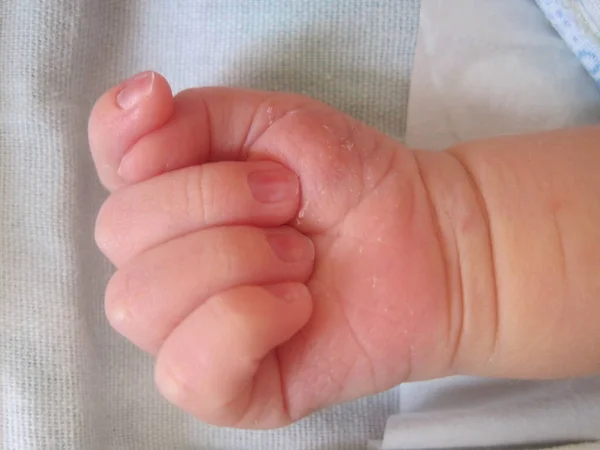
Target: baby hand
[278, 256]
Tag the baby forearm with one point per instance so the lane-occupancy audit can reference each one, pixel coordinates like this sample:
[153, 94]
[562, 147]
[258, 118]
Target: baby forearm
[519, 223]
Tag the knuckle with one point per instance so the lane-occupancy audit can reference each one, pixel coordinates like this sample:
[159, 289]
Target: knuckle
[172, 384]
[112, 232]
[104, 231]
[193, 195]
[116, 298]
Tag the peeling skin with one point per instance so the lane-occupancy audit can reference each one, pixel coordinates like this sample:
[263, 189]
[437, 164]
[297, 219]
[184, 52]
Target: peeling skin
[302, 212]
[270, 115]
[374, 282]
[348, 144]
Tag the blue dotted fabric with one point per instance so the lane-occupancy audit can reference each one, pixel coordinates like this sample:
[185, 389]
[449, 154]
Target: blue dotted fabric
[578, 23]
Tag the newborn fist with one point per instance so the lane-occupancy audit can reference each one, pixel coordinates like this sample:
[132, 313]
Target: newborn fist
[265, 295]
[278, 256]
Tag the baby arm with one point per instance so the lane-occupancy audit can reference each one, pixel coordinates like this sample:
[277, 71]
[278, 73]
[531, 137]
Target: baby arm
[519, 224]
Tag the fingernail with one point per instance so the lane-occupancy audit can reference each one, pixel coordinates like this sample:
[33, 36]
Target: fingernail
[136, 89]
[272, 186]
[291, 246]
[288, 292]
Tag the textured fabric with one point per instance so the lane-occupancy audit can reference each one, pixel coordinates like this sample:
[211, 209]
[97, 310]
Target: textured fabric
[67, 380]
[578, 22]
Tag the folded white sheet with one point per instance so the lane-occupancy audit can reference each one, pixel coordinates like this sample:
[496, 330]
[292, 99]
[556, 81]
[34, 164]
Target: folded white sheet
[486, 67]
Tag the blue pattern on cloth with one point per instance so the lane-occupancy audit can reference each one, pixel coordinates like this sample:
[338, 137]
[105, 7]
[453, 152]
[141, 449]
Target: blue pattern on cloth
[578, 23]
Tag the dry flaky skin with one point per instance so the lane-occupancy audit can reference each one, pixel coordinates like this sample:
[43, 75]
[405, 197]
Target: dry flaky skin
[483, 259]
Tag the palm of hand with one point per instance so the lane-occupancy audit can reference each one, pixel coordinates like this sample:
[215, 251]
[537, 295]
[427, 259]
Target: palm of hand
[377, 285]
